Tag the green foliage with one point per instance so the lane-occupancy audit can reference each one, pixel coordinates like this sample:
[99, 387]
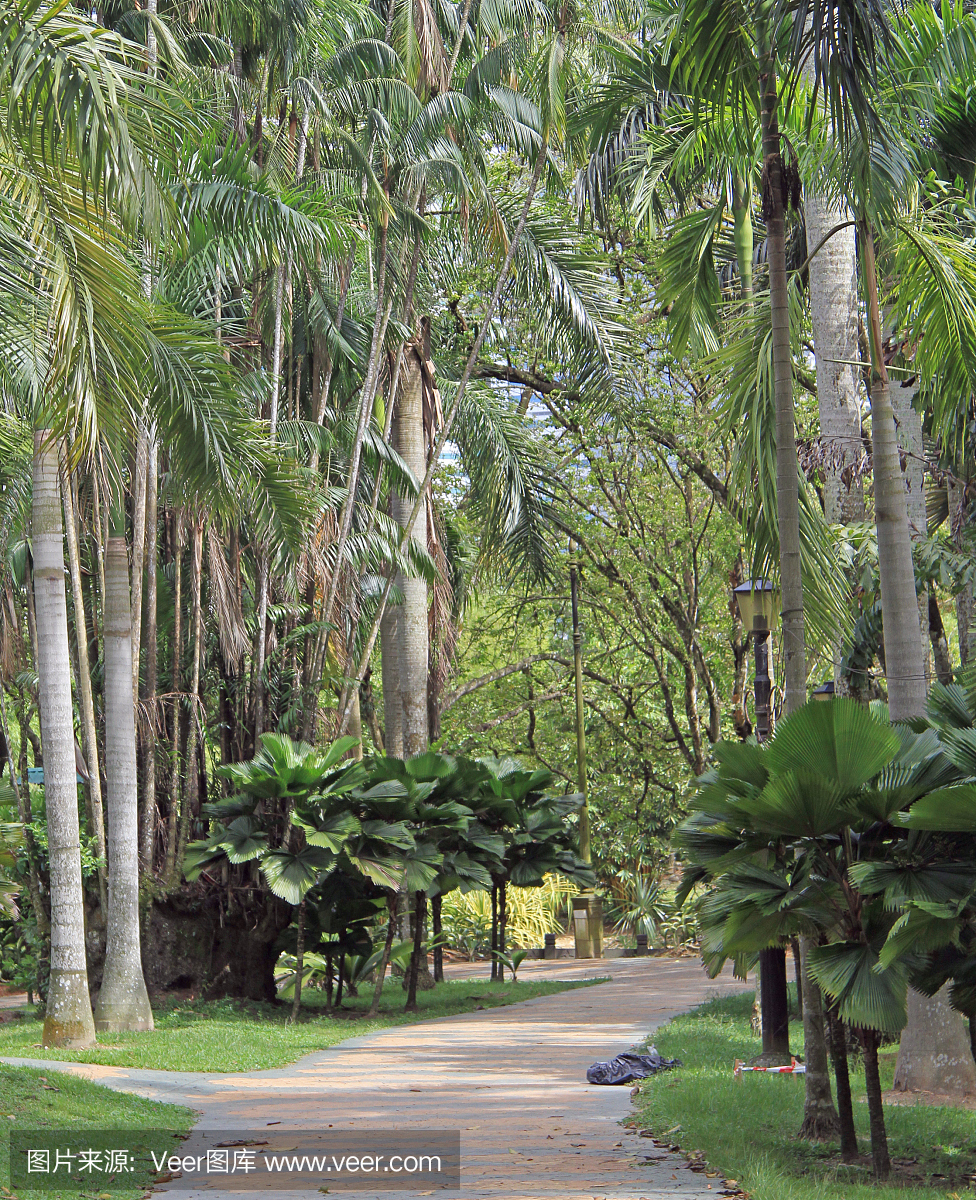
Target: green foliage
[759, 1148]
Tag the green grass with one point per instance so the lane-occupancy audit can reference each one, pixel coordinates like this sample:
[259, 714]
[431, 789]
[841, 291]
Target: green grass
[746, 1128]
[68, 1103]
[229, 1035]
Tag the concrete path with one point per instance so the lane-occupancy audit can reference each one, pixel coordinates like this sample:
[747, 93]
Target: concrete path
[512, 1079]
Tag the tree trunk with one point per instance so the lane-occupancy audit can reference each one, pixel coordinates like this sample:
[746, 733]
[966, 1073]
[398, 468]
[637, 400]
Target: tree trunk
[833, 315]
[414, 649]
[494, 931]
[176, 684]
[935, 1054]
[845, 1102]
[775, 1008]
[138, 552]
[86, 701]
[902, 642]
[820, 1120]
[420, 908]
[435, 912]
[391, 906]
[872, 1085]
[787, 480]
[937, 636]
[68, 1021]
[299, 961]
[147, 828]
[123, 1002]
[193, 736]
[390, 656]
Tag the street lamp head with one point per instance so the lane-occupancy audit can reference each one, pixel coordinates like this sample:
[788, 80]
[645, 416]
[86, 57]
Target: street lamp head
[758, 601]
[825, 691]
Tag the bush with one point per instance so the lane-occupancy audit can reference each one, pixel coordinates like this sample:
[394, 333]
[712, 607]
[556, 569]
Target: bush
[532, 913]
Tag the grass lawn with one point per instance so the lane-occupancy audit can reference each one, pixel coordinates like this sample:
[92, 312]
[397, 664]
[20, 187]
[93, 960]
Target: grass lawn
[746, 1129]
[232, 1035]
[32, 1100]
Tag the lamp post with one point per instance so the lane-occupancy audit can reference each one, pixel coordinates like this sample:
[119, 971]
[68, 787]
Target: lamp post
[587, 906]
[758, 601]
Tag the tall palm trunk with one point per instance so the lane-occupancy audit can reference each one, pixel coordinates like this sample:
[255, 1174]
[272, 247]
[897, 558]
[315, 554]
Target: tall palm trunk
[787, 480]
[414, 649]
[193, 735]
[176, 683]
[903, 647]
[147, 826]
[390, 654]
[834, 313]
[934, 1032]
[68, 1021]
[123, 1002]
[86, 702]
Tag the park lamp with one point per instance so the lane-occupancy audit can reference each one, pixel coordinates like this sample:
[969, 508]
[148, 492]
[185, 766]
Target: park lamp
[758, 601]
[825, 691]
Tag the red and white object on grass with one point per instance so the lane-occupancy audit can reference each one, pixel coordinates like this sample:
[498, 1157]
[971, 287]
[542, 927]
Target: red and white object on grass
[795, 1068]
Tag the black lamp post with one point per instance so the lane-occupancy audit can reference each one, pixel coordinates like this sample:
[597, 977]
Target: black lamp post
[758, 601]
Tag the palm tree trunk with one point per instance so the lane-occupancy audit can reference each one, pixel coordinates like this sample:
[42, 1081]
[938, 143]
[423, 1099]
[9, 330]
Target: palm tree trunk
[872, 1085]
[86, 701]
[820, 1120]
[138, 552]
[414, 648]
[148, 814]
[845, 1104]
[787, 481]
[176, 683]
[391, 924]
[123, 1002]
[899, 604]
[390, 656]
[193, 735]
[419, 910]
[436, 929]
[299, 962]
[68, 1021]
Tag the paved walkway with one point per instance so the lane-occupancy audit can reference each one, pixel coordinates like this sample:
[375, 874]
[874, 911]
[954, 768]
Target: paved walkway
[512, 1079]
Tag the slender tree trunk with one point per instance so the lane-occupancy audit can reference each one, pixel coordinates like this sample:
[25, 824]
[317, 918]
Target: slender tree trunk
[842, 1076]
[872, 1085]
[420, 907]
[414, 648]
[138, 552]
[390, 655]
[787, 480]
[899, 604]
[494, 931]
[820, 1120]
[391, 907]
[299, 962]
[193, 736]
[123, 1002]
[147, 827]
[435, 914]
[176, 686]
[68, 1021]
[86, 701]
